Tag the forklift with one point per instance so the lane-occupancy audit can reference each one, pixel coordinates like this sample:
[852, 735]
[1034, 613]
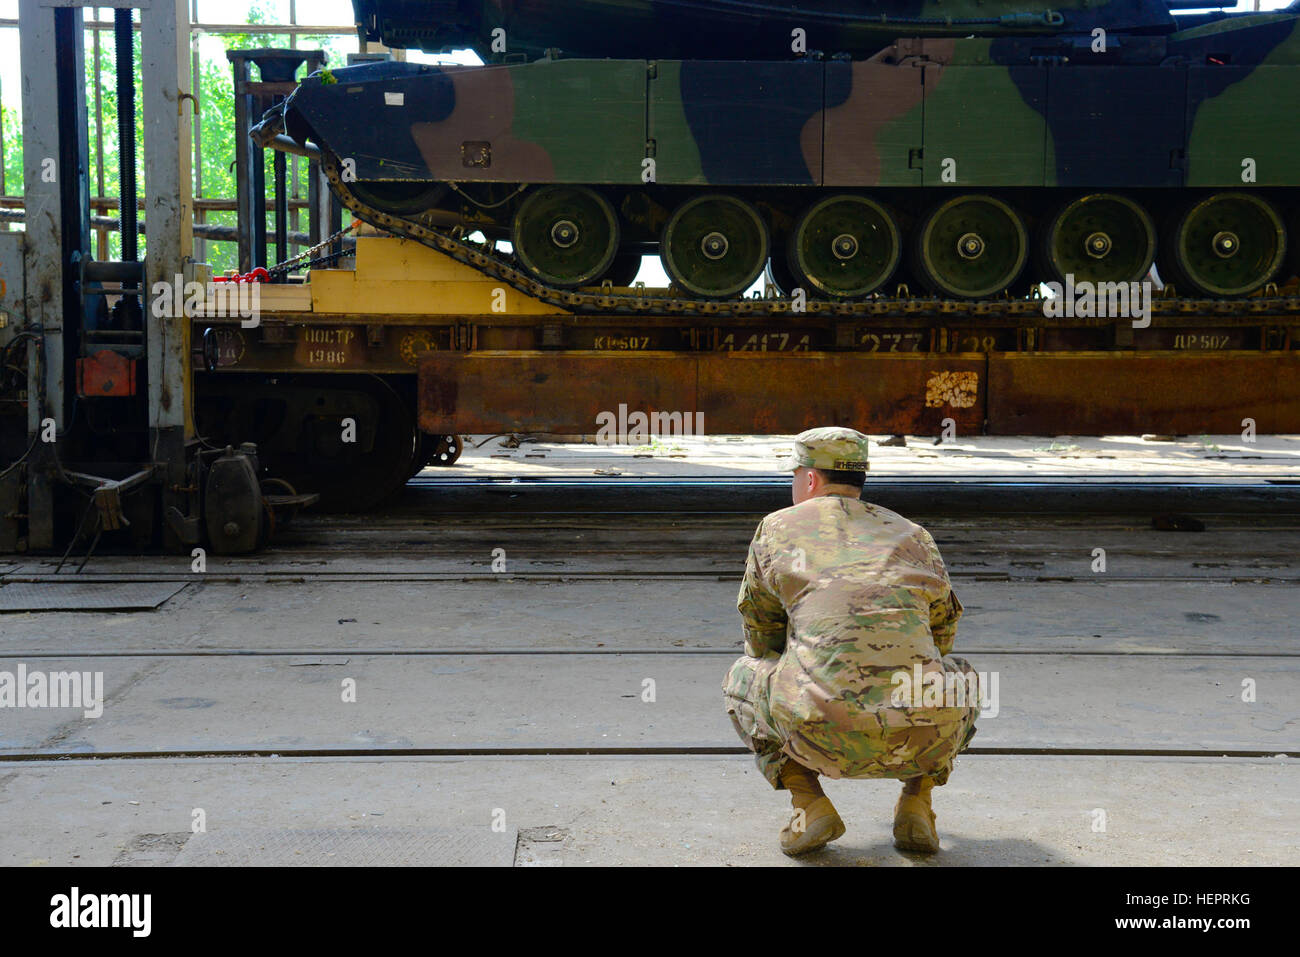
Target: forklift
[97, 434]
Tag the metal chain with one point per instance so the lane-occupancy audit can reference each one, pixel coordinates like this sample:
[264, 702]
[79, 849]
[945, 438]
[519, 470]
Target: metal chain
[327, 259]
[284, 267]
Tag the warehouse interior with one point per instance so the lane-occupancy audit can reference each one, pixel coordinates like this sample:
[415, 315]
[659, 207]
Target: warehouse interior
[322, 491]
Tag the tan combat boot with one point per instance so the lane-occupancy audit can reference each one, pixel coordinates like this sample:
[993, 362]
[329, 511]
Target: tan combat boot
[913, 820]
[814, 822]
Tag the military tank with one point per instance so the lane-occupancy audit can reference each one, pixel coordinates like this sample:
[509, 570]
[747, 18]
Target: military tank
[964, 149]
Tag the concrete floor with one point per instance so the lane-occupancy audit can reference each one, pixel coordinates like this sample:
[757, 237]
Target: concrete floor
[671, 810]
[485, 701]
[1194, 458]
[1126, 685]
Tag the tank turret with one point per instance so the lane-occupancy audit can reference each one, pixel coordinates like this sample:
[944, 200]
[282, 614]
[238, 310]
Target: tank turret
[733, 29]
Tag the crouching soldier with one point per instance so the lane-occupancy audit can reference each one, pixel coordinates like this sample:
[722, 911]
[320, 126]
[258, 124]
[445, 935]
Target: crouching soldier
[844, 604]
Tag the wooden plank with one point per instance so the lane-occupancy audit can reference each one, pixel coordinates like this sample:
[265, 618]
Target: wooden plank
[223, 298]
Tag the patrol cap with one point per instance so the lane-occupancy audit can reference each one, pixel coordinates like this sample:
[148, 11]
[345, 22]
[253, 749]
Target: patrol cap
[832, 447]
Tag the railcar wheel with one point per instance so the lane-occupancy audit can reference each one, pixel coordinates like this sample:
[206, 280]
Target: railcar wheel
[446, 450]
[1228, 244]
[1101, 237]
[845, 247]
[714, 246]
[351, 438]
[971, 247]
[566, 236]
[437, 450]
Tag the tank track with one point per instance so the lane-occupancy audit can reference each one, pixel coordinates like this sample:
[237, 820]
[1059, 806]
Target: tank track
[606, 301]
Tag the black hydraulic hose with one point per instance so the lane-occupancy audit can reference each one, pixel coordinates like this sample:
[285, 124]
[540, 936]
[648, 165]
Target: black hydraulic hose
[124, 37]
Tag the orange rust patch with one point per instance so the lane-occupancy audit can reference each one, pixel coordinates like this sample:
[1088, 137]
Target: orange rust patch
[957, 389]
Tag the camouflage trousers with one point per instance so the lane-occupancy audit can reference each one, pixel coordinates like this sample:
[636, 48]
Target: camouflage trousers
[875, 750]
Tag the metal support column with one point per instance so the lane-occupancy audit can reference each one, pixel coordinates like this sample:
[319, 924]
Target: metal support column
[14, 440]
[281, 209]
[169, 208]
[245, 201]
[58, 232]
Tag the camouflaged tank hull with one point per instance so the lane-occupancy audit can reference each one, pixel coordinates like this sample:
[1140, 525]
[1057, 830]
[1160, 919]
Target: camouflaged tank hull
[968, 167]
[1179, 111]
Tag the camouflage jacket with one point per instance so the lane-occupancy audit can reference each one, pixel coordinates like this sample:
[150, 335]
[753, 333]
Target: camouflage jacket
[847, 594]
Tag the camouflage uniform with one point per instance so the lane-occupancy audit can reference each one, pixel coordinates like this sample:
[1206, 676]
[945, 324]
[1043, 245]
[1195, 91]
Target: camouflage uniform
[839, 596]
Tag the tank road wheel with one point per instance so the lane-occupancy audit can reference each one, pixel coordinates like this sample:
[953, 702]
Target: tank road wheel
[566, 236]
[714, 246]
[1291, 269]
[1228, 244]
[1100, 237]
[399, 197]
[971, 247]
[845, 246]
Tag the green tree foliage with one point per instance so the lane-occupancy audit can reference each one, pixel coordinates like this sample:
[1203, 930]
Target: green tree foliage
[215, 114]
[218, 111]
[11, 122]
[106, 83]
